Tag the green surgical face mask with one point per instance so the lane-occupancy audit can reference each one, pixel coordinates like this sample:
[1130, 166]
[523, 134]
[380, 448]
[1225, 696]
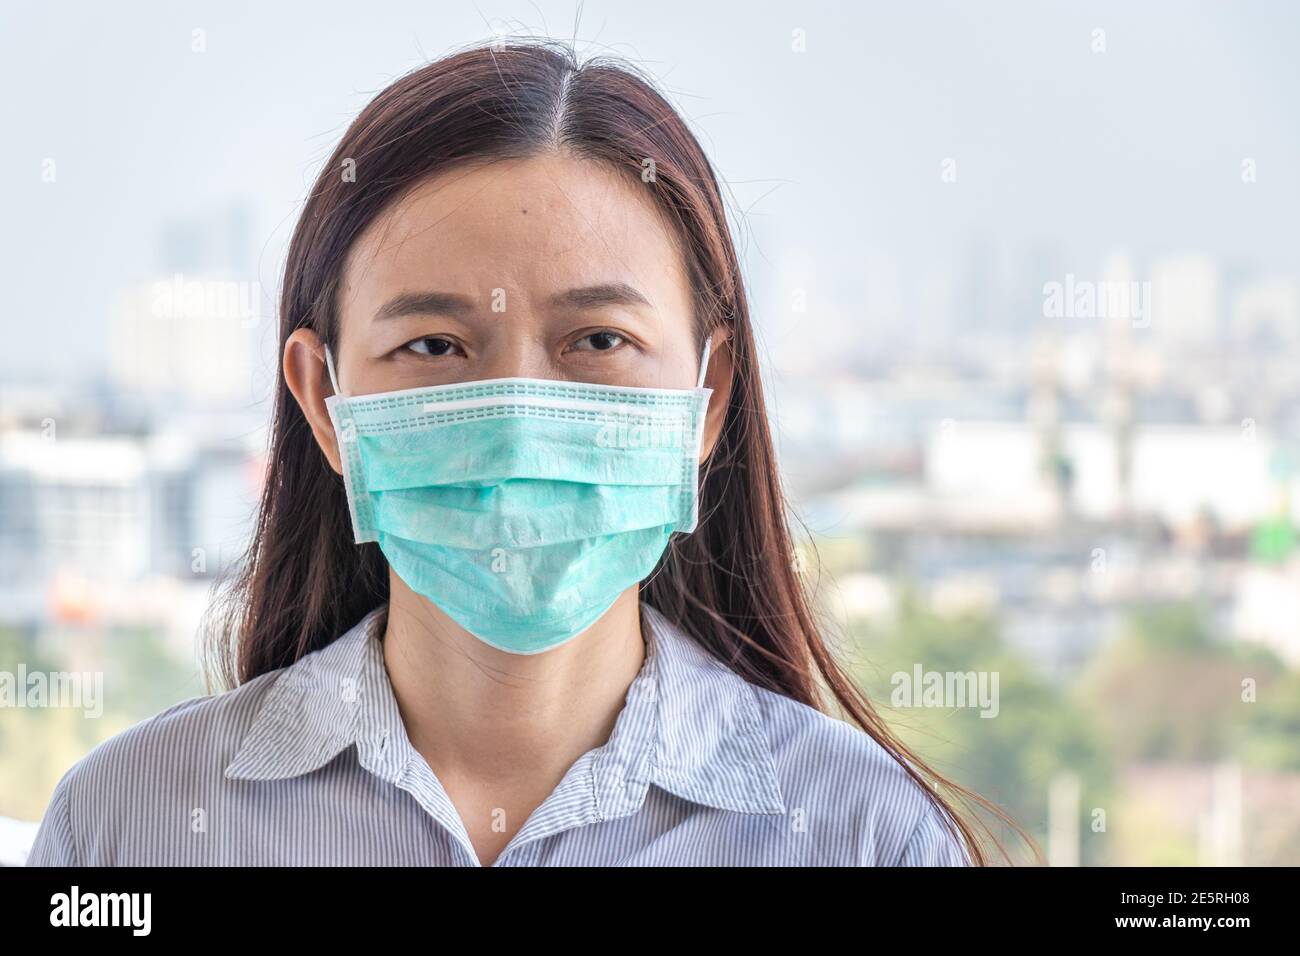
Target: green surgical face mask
[521, 507]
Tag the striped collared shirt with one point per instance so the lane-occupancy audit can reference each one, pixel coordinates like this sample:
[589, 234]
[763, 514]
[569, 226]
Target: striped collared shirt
[311, 765]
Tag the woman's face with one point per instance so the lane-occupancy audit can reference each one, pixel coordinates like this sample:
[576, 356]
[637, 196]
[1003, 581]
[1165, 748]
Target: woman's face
[549, 267]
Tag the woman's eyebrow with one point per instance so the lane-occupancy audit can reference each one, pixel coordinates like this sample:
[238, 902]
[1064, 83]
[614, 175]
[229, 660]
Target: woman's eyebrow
[595, 296]
[452, 304]
[426, 303]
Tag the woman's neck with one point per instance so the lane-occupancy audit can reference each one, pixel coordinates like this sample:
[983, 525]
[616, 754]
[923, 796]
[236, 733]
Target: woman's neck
[488, 721]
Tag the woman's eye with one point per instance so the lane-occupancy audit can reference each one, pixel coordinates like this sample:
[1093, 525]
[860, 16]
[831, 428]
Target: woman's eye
[430, 346]
[600, 341]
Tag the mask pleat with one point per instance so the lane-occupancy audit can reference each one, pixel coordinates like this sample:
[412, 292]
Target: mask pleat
[524, 513]
[490, 451]
[527, 587]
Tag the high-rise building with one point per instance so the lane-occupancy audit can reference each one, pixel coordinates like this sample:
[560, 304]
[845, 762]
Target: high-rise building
[1185, 300]
[186, 339]
[1265, 313]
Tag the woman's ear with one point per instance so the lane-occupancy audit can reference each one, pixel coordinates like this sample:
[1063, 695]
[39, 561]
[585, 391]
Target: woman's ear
[308, 380]
[718, 378]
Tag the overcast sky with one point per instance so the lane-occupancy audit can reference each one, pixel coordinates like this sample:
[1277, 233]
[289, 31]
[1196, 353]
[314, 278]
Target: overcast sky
[831, 156]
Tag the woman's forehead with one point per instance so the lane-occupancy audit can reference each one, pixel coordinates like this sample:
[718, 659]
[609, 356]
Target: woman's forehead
[535, 225]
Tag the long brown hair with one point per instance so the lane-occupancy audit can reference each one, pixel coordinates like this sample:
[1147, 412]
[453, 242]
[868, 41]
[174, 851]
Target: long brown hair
[733, 584]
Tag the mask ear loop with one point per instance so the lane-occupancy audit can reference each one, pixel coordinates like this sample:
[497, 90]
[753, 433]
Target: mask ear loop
[704, 361]
[329, 364]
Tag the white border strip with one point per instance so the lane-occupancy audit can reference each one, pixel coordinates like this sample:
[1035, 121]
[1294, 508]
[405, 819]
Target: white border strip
[569, 404]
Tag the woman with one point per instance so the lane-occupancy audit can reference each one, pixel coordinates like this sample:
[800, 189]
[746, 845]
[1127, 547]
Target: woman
[521, 591]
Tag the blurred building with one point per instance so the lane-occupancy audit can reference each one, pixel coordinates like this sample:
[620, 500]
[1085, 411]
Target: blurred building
[1266, 314]
[88, 518]
[186, 339]
[1185, 301]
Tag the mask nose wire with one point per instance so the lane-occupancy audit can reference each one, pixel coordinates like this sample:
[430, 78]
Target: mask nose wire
[704, 362]
[329, 364]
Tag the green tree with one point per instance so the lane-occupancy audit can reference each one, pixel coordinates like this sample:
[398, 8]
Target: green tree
[1009, 758]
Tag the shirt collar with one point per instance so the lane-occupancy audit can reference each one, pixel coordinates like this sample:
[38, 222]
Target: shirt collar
[689, 724]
